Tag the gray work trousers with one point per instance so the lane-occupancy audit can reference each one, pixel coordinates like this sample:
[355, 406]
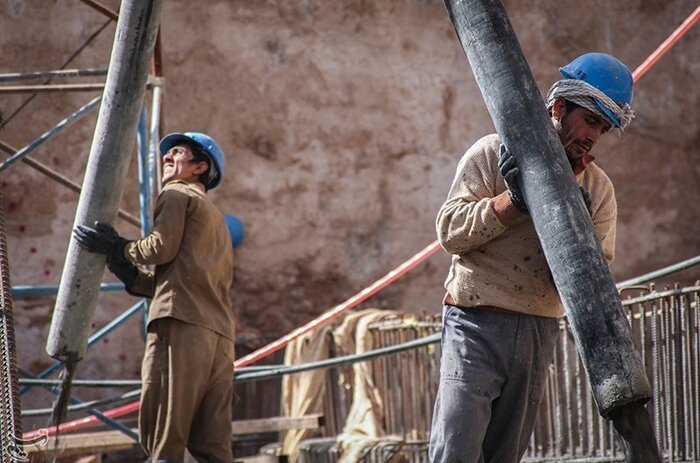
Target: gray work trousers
[492, 377]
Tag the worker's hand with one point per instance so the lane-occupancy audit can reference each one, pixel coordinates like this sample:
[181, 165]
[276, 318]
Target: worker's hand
[101, 239]
[511, 173]
[125, 271]
[587, 200]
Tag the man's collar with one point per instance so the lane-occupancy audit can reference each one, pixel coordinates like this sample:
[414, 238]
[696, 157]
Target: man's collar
[196, 185]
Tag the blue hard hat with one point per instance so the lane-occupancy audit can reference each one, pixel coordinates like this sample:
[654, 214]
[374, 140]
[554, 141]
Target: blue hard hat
[607, 74]
[206, 144]
[235, 229]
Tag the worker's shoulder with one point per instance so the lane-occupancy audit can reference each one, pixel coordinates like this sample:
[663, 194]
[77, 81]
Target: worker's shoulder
[484, 146]
[595, 172]
[594, 177]
[488, 142]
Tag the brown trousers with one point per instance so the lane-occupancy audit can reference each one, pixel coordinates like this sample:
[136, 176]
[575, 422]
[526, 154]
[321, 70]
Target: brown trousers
[187, 395]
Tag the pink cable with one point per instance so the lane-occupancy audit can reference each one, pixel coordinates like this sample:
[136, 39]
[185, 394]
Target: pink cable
[666, 45]
[81, 423]
[366, 293]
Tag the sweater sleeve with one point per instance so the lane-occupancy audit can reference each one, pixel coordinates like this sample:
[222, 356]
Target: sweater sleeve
[604, 222]
[163, 243]
[467, 219]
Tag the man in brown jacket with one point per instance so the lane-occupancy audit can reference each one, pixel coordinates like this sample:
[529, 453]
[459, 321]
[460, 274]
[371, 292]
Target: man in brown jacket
[187, 368]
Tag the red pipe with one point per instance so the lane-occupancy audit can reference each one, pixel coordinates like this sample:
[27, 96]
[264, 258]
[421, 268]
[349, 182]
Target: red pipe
[354, 301]
[666, 45]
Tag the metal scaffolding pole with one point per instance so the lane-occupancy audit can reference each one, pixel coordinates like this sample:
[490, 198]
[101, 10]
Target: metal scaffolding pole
[47, 88]
[97, 336]
[46, 136]
[60, 74]
[106, 169]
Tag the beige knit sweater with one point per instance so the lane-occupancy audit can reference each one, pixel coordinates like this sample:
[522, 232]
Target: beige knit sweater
[505, 266]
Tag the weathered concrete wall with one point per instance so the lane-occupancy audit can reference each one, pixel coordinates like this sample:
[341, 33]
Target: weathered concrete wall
[343, 123]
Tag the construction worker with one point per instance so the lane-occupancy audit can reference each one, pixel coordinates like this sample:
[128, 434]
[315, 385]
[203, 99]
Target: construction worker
[187, 370]
[500, 312]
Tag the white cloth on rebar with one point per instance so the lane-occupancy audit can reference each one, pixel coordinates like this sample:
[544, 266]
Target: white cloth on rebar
[364, 424]
[583, 93]
[301, 392]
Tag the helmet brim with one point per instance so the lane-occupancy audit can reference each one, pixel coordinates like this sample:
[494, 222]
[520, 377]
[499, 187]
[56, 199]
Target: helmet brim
[612, 118]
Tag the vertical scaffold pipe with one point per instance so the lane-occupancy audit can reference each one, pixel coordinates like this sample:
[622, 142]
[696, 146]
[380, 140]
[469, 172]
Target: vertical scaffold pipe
[112, 143]
[580, 272]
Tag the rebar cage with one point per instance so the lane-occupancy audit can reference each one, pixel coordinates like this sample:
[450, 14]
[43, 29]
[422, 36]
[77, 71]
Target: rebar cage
[666, 330]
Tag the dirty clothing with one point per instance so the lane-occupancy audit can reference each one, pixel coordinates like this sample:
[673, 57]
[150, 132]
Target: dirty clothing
[185, 383]
[499, 324]
[191, 248]
[187, 370]
[504, 266]
[493, 372]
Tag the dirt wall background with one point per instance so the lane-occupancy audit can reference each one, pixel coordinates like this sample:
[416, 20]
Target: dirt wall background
[343, 123]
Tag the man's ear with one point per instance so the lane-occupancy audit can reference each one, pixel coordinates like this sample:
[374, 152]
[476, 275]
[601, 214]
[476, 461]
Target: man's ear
[201, 168]
[559, 109]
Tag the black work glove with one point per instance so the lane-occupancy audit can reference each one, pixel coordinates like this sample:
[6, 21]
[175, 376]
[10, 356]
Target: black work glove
[102, 239]
[510, 172]
[587, 200]
[125, 271]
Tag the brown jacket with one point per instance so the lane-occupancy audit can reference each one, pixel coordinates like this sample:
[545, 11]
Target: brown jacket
[191, 249]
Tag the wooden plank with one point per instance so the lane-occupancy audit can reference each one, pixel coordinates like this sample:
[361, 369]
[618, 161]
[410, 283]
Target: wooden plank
[279, 423]
[258, 459]
[81, 444]
[111, 441]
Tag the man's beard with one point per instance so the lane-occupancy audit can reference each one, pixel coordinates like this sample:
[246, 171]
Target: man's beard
[565, 143]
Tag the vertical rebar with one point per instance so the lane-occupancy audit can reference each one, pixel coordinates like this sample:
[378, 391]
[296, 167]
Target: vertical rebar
[696, 373]
[567, 395]
[556, 402]
[668, 387]
[674, 386]
[656, 368]
[685, 377]
[580, 401]
[10, 420]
